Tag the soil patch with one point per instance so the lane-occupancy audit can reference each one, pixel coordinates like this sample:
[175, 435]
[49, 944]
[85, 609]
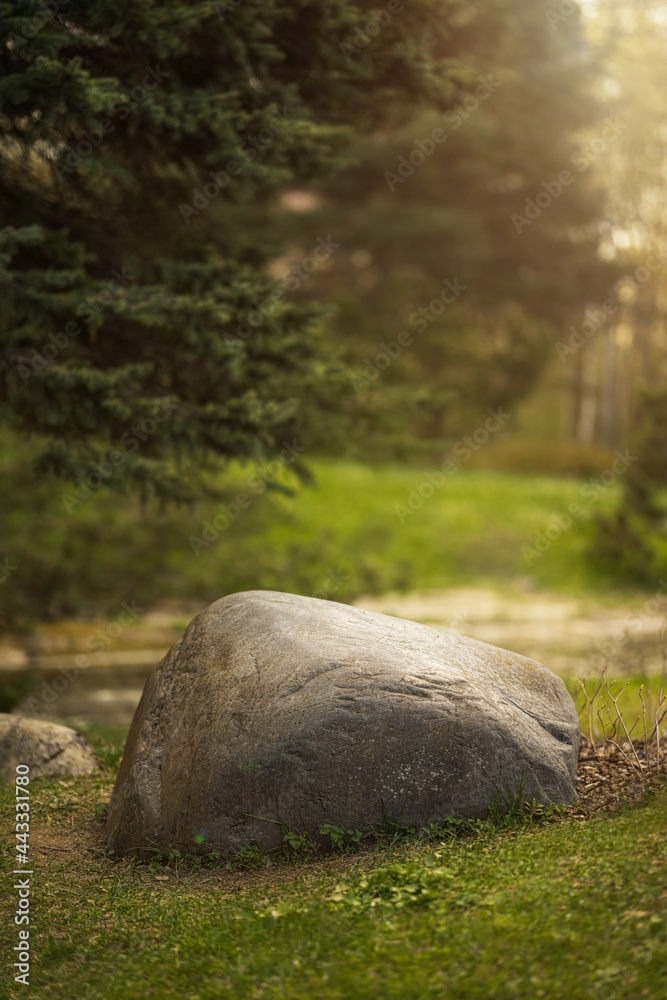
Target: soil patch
[610, 776]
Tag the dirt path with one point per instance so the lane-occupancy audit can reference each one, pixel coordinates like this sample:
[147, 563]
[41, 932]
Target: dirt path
[571, 637]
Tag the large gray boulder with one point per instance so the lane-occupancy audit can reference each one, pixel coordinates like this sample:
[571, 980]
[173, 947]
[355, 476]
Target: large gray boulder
[305, 711]
[49, 750]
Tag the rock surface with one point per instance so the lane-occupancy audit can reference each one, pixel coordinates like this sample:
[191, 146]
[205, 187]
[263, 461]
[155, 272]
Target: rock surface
[48, 749]
[305, 711]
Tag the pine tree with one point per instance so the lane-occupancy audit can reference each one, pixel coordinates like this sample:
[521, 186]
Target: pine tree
[142, 340]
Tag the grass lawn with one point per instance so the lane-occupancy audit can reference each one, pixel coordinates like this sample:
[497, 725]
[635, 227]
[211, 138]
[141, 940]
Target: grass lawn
[565, 909]
[470, 531]
[351, 532]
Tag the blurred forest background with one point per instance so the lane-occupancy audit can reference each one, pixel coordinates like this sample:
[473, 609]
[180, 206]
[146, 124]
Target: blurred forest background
[267, 270]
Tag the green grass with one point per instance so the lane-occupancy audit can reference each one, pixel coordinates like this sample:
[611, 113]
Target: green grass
[471, 531]
[565, 909]
[340, 537]
[639, 700]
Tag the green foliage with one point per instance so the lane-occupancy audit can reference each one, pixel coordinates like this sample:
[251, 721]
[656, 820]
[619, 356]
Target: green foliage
[421, 883]
[15, 687]
[162, 860]
[297, 846]
[343, 839]
[107, 741]
[631, 541]
[535, 812]
[506, 809]
[415, 884]
[393, 830]
[131, 337]
[294, 846]
[449, 828]
[249, 857]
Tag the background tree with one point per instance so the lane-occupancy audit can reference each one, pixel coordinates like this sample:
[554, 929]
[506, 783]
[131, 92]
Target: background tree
[157, 311]
[629, 352]
[482, 202]
[631, 542]
[630, 360]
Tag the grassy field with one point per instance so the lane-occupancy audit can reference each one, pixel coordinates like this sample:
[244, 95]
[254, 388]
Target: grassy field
[352, 531]
[568, 908]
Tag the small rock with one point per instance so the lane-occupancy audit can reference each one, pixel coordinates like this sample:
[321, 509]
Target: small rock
[48, 749]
